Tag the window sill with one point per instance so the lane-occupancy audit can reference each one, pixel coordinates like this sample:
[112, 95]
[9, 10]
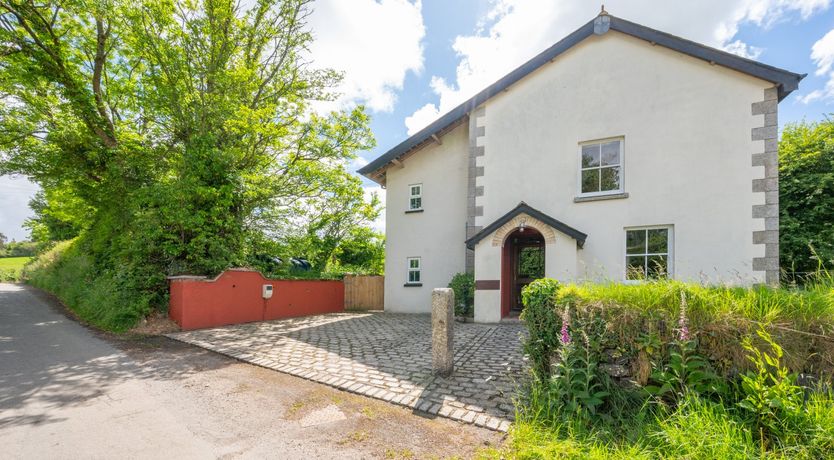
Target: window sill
[412, 284]
[646, 280]
[610, 196]
[412, 211]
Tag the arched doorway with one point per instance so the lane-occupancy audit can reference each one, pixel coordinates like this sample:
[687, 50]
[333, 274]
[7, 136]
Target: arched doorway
[522, 261]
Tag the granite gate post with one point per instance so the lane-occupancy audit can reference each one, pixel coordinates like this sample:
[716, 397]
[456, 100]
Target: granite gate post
[442, 333]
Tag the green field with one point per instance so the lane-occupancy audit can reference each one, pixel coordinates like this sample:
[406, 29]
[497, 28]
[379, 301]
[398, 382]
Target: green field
[10, 267]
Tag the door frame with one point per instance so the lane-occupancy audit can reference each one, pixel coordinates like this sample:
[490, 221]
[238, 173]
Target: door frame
[509, 264]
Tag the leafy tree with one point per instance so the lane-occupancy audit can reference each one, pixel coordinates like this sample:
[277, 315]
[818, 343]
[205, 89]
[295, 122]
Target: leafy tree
[3, 240]
[59, 215]
[806, 196]
[166, 133]
[323, 223]
[362, 250]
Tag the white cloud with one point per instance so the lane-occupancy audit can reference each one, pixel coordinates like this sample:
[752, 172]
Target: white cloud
[743, 49]
[514, 31]
[822, 53]
[422, 117]
[357, 163]
[375, 44]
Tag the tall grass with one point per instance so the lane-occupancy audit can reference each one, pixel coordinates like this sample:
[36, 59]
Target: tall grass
[98, 298]
[696, 429]
[801, 306]
[801, 318]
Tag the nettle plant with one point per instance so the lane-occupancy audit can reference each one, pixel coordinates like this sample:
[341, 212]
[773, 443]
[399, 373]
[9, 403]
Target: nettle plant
[683, 371]
[771, 396]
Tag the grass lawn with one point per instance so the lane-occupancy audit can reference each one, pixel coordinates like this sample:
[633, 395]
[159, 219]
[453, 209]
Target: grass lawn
[10, 267]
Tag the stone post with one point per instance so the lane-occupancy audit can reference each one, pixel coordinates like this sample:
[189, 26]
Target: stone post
[442, 334]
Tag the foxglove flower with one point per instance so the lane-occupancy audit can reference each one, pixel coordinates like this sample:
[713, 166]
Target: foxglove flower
[683, 322]
[565, 319]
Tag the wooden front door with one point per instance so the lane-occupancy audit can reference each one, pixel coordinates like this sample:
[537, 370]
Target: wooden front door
[522, 263]
[529, 266]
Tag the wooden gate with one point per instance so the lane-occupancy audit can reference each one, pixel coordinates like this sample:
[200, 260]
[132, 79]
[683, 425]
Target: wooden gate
[364, 292]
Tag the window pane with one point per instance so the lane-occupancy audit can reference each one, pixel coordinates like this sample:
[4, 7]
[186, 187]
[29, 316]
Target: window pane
[531, 263]
[415, 190]
[416, 203]
[610, 178]
[611, 153]
[657, 267]
[658, 241]
[414, 276]
[413, 263]
[590, 181]
[590, 155]
[635, 267]
[635, 242]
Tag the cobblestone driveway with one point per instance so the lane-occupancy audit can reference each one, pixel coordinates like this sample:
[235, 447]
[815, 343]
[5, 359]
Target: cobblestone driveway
[385, 356]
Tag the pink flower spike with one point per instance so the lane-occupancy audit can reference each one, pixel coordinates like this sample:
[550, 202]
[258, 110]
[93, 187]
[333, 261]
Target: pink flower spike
[683, 321]
[565, 333]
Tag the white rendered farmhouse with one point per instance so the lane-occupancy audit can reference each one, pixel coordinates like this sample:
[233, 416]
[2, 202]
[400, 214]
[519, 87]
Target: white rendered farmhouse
[619, 153]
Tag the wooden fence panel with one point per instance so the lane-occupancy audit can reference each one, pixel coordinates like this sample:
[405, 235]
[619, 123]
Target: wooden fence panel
[364, 292]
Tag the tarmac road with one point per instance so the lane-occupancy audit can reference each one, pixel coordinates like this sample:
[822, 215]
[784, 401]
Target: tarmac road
[69, 392]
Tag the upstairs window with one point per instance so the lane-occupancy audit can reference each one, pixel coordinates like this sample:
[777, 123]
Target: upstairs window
[415, 197]
[601, 167]
[648, 252]
[414, 270]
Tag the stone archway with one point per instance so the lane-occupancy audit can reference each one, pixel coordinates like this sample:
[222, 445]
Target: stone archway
[523, 221]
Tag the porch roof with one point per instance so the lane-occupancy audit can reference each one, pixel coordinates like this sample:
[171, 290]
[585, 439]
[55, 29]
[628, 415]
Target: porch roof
[524, 208]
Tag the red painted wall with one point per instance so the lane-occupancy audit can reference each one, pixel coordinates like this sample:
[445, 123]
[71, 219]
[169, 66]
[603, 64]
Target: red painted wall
[235, 297]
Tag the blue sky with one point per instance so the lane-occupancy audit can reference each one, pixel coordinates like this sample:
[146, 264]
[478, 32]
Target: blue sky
[410, 61]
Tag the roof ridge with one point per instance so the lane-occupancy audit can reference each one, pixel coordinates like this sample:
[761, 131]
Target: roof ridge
[785, 80]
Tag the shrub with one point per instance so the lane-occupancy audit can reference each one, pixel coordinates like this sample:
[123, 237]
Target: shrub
[463, 284]
[770, 393]
[543, 323]
[105, 299]
[8, 275]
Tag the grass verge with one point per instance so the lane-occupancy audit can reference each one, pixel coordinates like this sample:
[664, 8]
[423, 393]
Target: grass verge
[102, 299]
[696, 429]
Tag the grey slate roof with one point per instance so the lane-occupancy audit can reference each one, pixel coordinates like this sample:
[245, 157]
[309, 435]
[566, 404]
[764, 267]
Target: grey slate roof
[785, 80]
[524, 208]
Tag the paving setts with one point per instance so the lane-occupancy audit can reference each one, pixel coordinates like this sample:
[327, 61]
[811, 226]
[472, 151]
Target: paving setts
[386, 356]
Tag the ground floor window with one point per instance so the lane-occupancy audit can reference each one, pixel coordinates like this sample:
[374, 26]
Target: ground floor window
[414, 270]
[648, 253]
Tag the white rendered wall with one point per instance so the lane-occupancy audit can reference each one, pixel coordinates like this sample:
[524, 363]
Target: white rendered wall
[687, 154]
[437, 234]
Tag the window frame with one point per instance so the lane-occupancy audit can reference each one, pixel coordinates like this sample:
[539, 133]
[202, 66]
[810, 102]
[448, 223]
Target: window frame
[619, 191]
[411, 197]
[409, 270]
[670, 251]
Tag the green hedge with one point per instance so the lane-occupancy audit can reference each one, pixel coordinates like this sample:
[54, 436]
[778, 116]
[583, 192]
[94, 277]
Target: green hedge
[800, 319]
[103, 299]
[708, 377]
